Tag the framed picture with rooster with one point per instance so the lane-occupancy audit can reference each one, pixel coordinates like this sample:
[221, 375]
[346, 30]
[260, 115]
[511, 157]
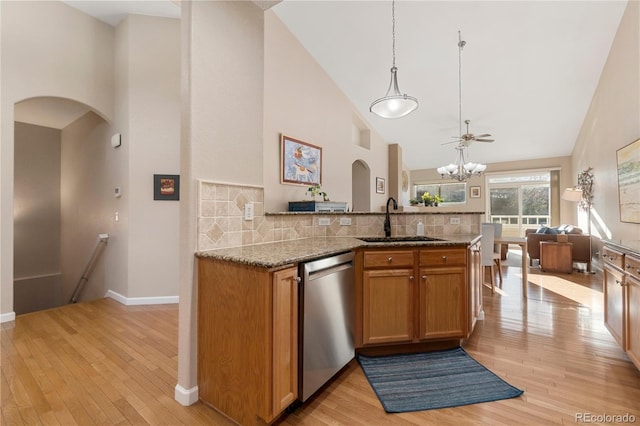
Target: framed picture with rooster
[301, 162]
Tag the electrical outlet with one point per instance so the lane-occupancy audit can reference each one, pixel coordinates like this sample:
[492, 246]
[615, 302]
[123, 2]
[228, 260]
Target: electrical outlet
[454, 221]
[248, 211]
[324, 221]
[345, 221]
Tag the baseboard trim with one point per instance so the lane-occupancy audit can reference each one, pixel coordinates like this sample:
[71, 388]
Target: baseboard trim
[186, 397]
[11, 316]
[133, 301]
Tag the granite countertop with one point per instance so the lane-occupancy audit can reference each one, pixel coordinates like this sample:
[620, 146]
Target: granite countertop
[628, 245]
[277, 254]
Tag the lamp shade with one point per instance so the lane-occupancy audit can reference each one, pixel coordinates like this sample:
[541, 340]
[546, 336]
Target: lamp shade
[572, 194]
[394, 104]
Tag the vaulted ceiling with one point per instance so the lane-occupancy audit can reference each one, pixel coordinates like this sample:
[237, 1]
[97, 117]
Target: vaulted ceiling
[529, 68]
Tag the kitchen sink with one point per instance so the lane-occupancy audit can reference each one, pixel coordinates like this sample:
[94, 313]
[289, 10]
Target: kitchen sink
[397, 239]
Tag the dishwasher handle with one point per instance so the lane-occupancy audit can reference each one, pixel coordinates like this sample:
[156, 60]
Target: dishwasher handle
[334, 263]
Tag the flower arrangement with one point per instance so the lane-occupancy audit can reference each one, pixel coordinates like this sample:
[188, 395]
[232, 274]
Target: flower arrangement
[315, 190]
[431, 200]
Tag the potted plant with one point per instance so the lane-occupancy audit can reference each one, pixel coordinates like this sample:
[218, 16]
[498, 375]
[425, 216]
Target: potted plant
[315, 190]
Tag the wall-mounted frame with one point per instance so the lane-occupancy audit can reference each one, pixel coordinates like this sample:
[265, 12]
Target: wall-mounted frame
[474, 192]
[380, 185]
[166, 187]
[301, 162]
[628, 159]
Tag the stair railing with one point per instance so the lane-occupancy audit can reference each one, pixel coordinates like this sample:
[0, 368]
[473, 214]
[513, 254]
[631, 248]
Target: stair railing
[100, 244]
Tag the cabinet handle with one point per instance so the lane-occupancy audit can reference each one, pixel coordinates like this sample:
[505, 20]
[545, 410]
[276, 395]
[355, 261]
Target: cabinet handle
[410, 277]
[298, 280]
[390, 259]
[444, 258]
[424, 277]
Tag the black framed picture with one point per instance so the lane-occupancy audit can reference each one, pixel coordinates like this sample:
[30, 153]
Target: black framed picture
[166, 187]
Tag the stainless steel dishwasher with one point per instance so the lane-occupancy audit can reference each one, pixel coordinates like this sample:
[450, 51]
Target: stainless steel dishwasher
[326, 321]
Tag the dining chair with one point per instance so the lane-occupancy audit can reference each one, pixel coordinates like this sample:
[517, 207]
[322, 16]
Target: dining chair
[489, 257]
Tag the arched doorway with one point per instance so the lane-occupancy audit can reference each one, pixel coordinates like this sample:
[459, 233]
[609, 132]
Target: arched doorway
[360, 186]
[58, 198]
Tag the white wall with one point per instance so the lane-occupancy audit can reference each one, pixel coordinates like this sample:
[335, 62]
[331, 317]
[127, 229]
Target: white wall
[84, 198]
[32, 44]
[612, 121]
[301, 101]
[221, 134]
[148, 116]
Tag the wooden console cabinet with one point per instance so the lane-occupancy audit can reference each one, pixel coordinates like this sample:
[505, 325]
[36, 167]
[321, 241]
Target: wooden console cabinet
[556, 257]
[415, 295]
[621, 283]
[247, 339]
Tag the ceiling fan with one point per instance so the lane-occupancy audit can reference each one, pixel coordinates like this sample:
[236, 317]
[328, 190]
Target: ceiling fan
[467, 138]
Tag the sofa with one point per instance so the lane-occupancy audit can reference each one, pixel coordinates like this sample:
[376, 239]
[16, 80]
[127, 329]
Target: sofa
[581, 249]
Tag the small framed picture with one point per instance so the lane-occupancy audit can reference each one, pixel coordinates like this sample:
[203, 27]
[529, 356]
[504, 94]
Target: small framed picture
[474, 192]
[166, 187]
[380, 185]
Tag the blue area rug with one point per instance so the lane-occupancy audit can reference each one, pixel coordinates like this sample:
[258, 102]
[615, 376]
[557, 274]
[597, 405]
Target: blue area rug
[426, 381]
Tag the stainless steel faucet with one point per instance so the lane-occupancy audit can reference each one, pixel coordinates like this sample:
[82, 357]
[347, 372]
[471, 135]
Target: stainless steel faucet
[387, 221]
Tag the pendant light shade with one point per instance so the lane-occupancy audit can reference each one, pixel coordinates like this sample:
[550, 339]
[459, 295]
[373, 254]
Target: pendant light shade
[394, 104]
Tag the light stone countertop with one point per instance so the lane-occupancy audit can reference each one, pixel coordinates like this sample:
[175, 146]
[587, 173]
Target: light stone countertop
[277, 254]
[632, 246]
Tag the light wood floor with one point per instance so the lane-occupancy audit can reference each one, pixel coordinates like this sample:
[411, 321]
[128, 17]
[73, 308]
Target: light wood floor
[104, 363]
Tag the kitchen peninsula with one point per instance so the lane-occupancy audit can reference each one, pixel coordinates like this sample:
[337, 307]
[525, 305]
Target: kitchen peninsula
[409, 296]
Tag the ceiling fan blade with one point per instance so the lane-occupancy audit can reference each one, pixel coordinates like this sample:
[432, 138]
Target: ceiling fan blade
[482, 136]
[485, 140]
[447, 143]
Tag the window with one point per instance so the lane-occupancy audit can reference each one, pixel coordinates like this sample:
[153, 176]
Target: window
[449, 192]
[520, 200]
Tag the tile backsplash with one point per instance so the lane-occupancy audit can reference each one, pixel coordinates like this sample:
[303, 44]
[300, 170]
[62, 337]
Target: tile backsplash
[221, 221]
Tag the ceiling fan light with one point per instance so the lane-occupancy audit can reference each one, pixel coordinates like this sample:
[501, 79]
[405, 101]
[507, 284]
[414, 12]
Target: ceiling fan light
[442, 170]
[394, 104]
[470, 166]
[451, 168]
[480, 168]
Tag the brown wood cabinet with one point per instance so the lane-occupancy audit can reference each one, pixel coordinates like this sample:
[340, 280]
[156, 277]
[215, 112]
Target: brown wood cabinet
[247, 339]
[395, 307]
[621, 284]
[632, 267]
[613, 288]
[556, 257]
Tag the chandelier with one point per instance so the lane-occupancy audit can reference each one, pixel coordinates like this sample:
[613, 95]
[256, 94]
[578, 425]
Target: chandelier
[394, 104]
[462, 170]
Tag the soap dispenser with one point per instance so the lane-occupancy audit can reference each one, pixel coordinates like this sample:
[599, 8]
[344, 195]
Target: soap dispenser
[420, 229]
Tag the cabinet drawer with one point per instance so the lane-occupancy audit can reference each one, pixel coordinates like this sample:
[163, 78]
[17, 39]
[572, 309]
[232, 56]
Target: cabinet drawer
[388, 258]
[613, 257]
[632, 266]
[443, 257]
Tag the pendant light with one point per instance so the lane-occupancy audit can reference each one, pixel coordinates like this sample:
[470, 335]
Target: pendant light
[394, 104]
[461, 170]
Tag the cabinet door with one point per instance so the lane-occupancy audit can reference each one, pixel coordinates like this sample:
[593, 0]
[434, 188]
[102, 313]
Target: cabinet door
[285, 339]
[442, 303]
[387, 314]
[614, 303]
[475, 286]
[633, 320]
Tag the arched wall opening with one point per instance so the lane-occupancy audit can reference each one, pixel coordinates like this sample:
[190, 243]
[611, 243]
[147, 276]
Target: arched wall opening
[60, 171]
[360, 186]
